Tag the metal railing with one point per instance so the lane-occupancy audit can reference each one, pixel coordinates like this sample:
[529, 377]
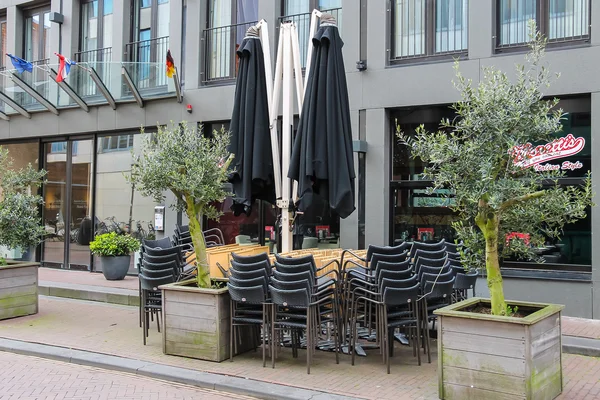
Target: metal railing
[559, 21]
[146, 62]
[99, 59]
[220, 46]
[422, 28]
[302, 22]
[40, 82]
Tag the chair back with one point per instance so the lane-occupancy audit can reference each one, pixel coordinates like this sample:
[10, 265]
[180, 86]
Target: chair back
[387, 250]
[247, 295]
[292, 269]
[453, 256]
[157, 251]
[429, 254]
[152, 283]
[466, 281]
[455, 263]
[431, 262]
[439, 291]
[456, 269]
[158, 243]
[397, 283]
[289, 298]
[250, 259]
[390, 258]
[426, 269]
[441, 245]
[397, 296]
[260, 280]
[426, 277]
[392, 274]
[245, 275]
[291, 285]
[161, 259]
[453, 247]
[263, 264]
[290, 277]
[308, 258]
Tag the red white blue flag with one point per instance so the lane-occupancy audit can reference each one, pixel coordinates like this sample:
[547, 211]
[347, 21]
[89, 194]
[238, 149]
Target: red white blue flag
[64, 68]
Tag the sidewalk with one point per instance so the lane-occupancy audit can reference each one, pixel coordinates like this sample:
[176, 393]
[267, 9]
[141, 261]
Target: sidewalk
[113, 330]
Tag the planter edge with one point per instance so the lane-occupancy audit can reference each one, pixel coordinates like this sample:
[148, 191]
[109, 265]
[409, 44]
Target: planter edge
[546, 309]
[19, 264]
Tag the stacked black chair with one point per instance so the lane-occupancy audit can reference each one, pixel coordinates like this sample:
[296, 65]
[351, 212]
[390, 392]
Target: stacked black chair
[299, 305]
[250, 303]
[396, 306]
[151, 277]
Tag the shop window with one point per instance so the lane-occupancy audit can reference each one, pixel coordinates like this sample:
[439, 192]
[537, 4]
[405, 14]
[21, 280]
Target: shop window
[418, 214]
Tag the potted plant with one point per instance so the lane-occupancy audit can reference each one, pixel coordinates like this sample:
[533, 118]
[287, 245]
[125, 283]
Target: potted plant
[505, 207]
[20, 228]
[192, 166]
[115, 253]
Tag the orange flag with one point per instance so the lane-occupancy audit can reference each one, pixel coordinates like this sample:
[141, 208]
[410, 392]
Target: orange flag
[170, 65]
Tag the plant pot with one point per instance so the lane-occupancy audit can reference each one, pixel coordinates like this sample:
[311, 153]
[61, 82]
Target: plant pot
[18, 289]
[484, 356]
[196, 323]
[115, 268]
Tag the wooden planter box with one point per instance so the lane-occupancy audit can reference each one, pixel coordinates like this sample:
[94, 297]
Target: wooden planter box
[18, 289]
[196, 323]
[493, 357]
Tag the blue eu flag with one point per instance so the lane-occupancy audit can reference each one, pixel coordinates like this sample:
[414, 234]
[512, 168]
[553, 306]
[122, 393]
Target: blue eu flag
[20, 64]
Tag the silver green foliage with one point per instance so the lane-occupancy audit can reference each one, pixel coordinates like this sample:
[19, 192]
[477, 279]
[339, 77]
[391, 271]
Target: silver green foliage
[20, 220]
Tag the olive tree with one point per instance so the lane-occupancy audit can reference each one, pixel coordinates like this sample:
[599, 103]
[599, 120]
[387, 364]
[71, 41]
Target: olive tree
[20, 221]
[180, 159]
[485, 156]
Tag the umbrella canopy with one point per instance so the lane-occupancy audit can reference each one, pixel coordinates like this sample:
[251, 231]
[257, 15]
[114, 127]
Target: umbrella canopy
[252, 174]
[322, 160]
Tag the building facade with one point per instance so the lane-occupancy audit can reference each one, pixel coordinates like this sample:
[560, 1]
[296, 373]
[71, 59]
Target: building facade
[398, 58]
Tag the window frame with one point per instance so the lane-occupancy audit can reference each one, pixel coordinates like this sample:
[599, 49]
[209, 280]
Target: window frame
[29, 13]
[430, 32]
[99, 22]
[542, 8]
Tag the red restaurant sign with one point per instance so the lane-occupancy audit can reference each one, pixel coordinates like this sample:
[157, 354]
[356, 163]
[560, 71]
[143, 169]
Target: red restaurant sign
[528, 155]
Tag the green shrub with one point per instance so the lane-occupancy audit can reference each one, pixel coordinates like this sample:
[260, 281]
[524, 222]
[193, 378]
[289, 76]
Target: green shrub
[111, 244]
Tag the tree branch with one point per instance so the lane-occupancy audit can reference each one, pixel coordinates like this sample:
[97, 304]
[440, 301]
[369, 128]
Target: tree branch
[520, 199]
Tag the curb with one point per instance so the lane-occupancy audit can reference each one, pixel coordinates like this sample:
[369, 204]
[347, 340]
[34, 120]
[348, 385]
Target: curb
[124, 297]
[207, 380]
[581, 346]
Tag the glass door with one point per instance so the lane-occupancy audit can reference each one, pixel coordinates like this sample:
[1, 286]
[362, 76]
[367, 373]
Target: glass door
[67, 204]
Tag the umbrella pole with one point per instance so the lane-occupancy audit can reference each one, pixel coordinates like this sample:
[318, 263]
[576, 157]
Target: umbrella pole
[286, 136]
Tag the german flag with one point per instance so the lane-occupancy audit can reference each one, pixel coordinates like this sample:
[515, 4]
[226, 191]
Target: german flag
[170, 65]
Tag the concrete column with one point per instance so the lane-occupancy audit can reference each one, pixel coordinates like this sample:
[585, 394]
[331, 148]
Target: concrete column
[175, 32]
[350, 32]
[121, 29]
[378, 34]
[481, 29]
[349, 226]
[70, 28]
[14, 32]
[377, 196]
[595, 212]
[595, 21]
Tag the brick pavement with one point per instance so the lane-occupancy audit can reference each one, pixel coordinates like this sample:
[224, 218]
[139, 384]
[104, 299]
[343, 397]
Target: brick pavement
[112, 329]
[85, 278]
[581, 327]
[24, 378]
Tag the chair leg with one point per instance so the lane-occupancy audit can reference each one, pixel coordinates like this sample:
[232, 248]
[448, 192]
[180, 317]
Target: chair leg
[417, 345]
[143, 316]
[273, 319]
[264, 333]
[231, 311]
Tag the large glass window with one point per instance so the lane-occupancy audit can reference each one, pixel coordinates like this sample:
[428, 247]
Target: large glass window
[96, 30]
[559, 20]
[429, 27]
[299, 11]
[37, 34]
[417, 215]
[118, 206]
[228, 23]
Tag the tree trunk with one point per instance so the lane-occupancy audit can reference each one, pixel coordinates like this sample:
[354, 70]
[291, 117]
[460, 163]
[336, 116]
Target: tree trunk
[203, 270]
[492, 265]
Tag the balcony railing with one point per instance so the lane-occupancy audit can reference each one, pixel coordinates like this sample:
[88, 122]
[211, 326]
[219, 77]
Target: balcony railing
[220, 46]
[98, 59]
[303, 27]
[38, 80]
[145, 62]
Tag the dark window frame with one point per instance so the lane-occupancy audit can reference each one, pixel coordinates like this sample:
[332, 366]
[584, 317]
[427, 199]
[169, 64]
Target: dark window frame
[29, 13]
[542, 8]
[430, 32]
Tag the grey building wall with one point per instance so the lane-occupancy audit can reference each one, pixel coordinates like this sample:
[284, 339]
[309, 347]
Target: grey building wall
[374, 91]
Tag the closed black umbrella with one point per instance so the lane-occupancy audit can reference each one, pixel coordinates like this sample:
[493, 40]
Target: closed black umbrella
[252, 177]
[322, 160]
